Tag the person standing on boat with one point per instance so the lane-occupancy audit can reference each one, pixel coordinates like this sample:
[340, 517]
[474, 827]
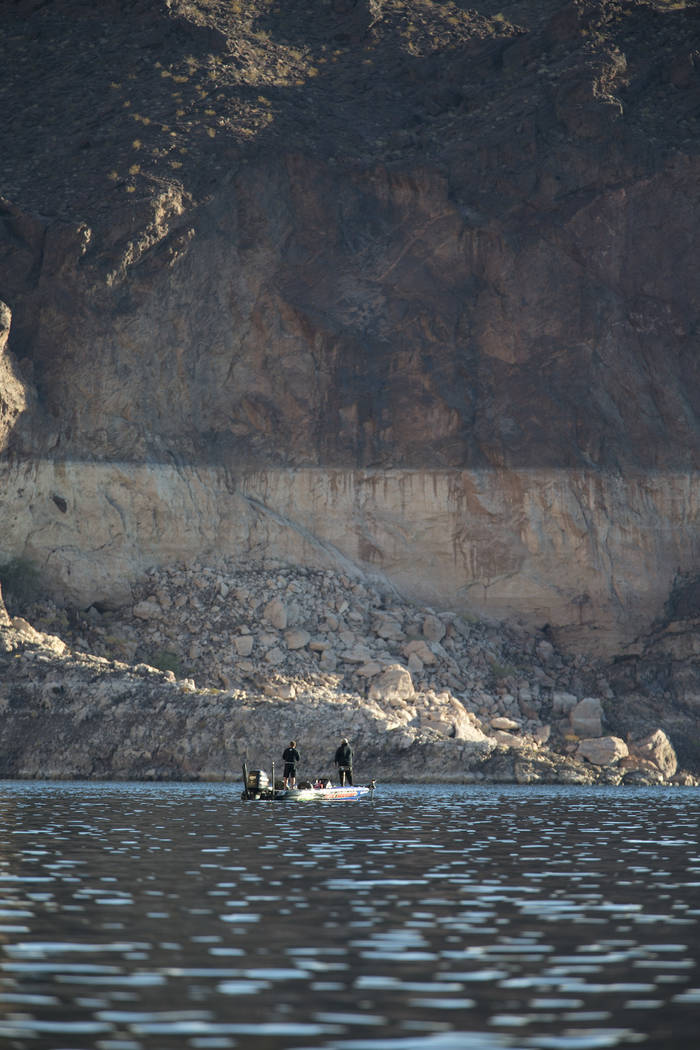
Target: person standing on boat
[343, 760]
[291, 758]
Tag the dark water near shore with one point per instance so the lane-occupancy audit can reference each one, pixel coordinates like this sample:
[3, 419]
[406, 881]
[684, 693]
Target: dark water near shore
[161, 917]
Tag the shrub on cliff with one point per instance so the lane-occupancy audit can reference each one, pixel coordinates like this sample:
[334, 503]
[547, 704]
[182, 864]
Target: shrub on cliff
[164, 660]
[21, 584]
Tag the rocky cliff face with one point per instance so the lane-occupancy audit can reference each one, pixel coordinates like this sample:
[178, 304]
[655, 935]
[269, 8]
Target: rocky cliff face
[13, 400]
[406, 286]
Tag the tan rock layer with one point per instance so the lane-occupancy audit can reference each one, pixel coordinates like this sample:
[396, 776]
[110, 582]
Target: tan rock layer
[588, 553]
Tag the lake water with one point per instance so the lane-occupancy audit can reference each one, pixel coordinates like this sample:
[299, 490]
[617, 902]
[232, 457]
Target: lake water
[171, 917]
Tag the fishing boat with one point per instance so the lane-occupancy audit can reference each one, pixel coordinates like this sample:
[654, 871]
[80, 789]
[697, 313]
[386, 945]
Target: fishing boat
[257, 786]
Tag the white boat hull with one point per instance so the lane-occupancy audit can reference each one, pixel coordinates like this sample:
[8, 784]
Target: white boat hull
[331, 794]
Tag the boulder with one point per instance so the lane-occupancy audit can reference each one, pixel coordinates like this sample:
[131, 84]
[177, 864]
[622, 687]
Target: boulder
[657, 748]
[317, 645]
[466, 730]
[527, 705]
[276, 614]
[296, 638]
[643, 776]
[274, 656]
[328, 660]
[389, 628]
[504, 723]
[602, 751]
[433, 628]
[420, 649]
[415, 664]
[243, 644]
[370, 669]
[444, 714]
[545, 651]
[563, 703]
[401, 739]
[394, 683]
[359, 654]
[505, 739]
[586, 717]
[633, 763]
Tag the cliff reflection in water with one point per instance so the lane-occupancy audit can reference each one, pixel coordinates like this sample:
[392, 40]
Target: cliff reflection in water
[153, 917]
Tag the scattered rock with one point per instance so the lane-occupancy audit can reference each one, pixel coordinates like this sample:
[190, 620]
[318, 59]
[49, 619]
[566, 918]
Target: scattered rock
[244, 644]
[433, 628]
[276, 614]
[586, 717]
[274, 656]
[297, 638]
[508, 739]
[148, 609]
[602, 751]
[504, 723]
[328, 661]
[370, 669]
[394, 683]
[389, 628]
[633, 763]
[563, 703]
[188, 632]
[421, 651]
[657, 748]
[415, 664]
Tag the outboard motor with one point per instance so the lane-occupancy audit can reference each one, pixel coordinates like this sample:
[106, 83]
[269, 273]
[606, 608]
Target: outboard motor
[257, 781]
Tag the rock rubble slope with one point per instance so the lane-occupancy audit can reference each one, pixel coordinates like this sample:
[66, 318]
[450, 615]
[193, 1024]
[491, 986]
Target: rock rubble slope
[208, 667]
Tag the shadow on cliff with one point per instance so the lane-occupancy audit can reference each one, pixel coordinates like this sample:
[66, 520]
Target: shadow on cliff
[440, 269]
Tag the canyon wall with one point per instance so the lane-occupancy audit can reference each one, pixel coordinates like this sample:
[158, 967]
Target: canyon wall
[410, 288]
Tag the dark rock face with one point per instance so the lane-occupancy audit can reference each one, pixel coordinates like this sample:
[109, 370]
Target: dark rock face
[375, 235]
[663, 676]
[457, 238]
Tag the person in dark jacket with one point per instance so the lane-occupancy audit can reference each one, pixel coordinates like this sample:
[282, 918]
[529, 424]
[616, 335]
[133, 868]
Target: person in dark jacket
[290, 757]
[343, 760]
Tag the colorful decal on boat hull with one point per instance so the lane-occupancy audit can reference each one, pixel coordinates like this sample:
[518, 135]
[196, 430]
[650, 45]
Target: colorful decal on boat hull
[332, 794]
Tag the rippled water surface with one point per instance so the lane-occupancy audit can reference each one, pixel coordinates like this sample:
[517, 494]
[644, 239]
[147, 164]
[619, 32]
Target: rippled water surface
[141, 917]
